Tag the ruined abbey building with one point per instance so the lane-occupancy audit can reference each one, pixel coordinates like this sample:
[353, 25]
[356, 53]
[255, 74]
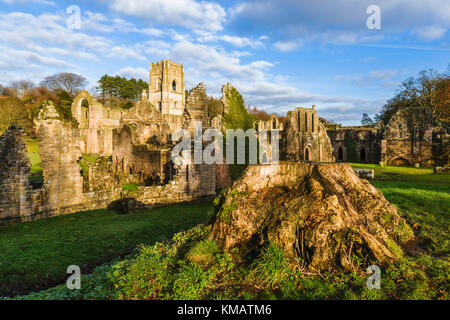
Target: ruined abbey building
[88, 159]
[413, 136]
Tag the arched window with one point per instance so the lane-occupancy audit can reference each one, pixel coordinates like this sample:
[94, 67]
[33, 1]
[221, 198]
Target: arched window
[264, 158]
[274, 124]
[174, 85]
[298, 120]
[340, 154]
[400, 131]
[362, 155]
[306, 122]
[307, 154]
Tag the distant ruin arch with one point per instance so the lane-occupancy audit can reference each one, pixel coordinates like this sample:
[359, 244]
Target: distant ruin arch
[400, 162]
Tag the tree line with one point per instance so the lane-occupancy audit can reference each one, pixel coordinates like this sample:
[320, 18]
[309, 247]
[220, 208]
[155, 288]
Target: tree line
[120, 87]
[429, 89]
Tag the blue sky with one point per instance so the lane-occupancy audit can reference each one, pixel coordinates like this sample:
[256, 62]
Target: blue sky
[278, 54]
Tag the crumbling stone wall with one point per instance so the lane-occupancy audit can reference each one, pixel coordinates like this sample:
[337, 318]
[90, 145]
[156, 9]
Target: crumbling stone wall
[142, 144]
[15, 189]
[304, 137]
[192, 182]
[101, 186]
[356, 144]
[96, 123]
[413, 136]
[196, 108]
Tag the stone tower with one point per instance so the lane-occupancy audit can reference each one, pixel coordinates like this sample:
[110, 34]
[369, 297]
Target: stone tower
[166, 87]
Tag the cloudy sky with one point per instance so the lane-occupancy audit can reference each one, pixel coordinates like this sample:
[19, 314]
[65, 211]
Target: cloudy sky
[278, 53]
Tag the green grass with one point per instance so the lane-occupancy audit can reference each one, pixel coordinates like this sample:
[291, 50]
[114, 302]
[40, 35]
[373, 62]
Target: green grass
[90, 159]
[35, 158]
[85, 162]
[131, 187]
[404, 174]
[191, 266]
[35, 255]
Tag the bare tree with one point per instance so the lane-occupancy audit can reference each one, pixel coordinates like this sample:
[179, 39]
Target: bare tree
[21, 87]
[70, 82]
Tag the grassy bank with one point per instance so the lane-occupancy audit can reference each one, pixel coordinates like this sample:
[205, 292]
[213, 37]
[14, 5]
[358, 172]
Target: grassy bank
[35, 255]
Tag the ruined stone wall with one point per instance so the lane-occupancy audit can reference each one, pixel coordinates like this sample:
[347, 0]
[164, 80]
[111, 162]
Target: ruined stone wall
[413, 136]
[15, 189]
[101, 186]
[96, 123]
[59, 148]
[356, 144]
[223, 178]
[192, 182]
[141, 145]
[196, 108]
[304, 137]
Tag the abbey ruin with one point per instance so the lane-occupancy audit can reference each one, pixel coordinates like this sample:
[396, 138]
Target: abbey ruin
[413, 137]
[87, 160]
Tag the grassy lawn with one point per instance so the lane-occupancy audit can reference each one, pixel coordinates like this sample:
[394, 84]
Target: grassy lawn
[404, 174]
[131, 187]
[192, 266]
[35, 255]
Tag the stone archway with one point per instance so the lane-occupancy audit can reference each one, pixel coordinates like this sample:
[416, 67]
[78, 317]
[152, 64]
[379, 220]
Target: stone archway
[400, 162]
[307, 154]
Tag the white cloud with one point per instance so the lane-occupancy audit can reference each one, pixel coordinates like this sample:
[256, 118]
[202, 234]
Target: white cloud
[430, 33]
[342, 22]
[137, 73]
[208, 37]
[286, 46]
[382, 78]
[124, 52]
[190, 14]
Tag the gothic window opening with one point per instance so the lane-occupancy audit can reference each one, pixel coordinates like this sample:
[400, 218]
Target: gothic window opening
[307, 154]
[306, 122]
[298, 120]
[187, 173]
[340, 154]
[362, 155]
[174, 85]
